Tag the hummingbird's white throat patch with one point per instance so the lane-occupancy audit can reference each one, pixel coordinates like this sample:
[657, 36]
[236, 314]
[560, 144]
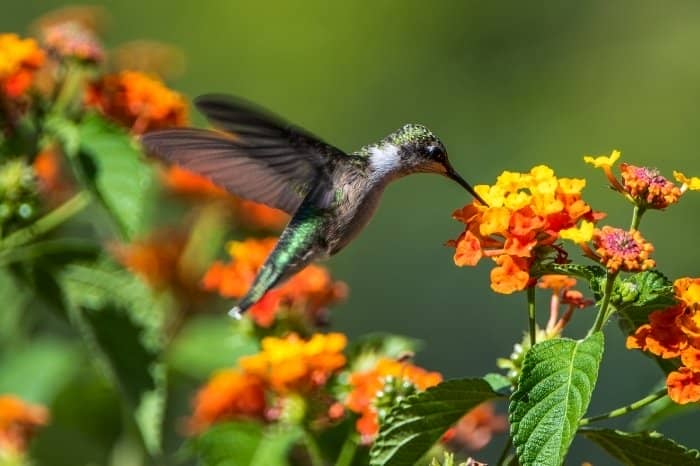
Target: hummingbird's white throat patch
[384, 159]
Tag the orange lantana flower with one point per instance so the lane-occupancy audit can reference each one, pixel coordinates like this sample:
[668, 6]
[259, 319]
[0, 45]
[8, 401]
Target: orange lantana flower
[525, 213]
[643, 186]
[310, 291]
[230, 394]
[157, 259]
[19, 60]
[675, 333]
[18, 422]
[138, 101]
[291, 364]
[374, 391]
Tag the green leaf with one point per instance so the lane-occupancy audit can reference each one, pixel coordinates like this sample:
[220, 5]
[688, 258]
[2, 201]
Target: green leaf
[38, 371]
[415, 424]
[122, 324]
[245, 444]
[552, 395]
[642, 449]
[638, 295]
[113, 164]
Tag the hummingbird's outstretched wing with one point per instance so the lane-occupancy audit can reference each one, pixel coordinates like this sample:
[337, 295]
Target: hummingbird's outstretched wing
[259, 157]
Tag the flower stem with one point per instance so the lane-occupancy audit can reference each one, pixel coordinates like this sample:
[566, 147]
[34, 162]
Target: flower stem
[347, 451]
[48, 222]
[626, 409]
[531, 314]
[313, 450]
[637, 213]
[603, 315]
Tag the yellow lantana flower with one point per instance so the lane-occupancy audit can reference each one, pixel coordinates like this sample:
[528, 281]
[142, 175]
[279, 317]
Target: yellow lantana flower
[692, 183]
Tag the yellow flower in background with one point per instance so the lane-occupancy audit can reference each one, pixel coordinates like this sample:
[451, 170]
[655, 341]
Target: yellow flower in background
[603, 161]
[293, 364]
[692, 183]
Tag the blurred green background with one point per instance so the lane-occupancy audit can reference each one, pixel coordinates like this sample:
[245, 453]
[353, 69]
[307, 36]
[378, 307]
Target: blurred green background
[506, 85]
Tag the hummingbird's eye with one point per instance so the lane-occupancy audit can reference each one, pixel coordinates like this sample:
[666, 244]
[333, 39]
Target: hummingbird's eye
[435, 153]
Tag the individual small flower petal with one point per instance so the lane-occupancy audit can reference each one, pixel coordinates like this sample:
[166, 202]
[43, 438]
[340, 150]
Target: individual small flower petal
[581, 234]
[556, 282]
[603, 161]
[684, 386]
[468, 250]
[692, 183]
[510, 275]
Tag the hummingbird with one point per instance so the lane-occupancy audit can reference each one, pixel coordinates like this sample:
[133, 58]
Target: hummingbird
[331, 195]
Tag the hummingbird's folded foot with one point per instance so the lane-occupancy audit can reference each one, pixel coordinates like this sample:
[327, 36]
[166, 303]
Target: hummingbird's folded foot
[236, 313]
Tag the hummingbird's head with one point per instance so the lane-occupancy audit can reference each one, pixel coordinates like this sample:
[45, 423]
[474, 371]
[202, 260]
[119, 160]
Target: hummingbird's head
[415, 149]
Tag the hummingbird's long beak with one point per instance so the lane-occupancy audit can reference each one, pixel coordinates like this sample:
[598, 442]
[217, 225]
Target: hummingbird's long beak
[453, 175]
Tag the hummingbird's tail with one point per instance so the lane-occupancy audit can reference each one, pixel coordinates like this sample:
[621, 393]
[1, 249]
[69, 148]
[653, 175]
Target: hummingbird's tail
[268, 277]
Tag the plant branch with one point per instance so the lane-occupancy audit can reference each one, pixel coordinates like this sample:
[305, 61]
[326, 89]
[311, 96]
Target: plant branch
[313, 450]
[531, 314]
[504, 454]
[603, 315]
[626, 409]
[48, 222]
[637, 213]
[347, 451]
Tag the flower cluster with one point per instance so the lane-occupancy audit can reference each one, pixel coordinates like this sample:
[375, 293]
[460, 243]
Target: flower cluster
[284, 367]
[18, 422]
[19, 60]
[675, 333]
[376, 390]
[72, 39]
[292, 364]
[525, 213]
[643, 186]
[310, 291]
[137, 101]
[615, 248]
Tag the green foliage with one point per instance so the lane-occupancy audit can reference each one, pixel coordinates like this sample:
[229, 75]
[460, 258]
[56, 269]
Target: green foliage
[415, 424]
[636, 296]
[207, 344]
[125, 330]
[245, 444]
[642, 449]
[113, 165]
[553, 393]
